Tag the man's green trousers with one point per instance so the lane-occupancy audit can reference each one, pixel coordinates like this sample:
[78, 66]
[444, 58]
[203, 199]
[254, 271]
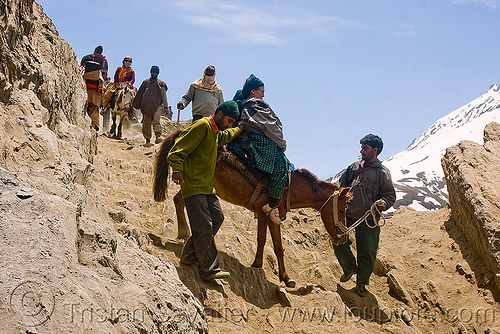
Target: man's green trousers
[366, 244]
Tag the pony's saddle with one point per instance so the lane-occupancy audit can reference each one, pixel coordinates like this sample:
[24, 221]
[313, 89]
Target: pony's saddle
[239, 157]
[240, 148]
[238, 163]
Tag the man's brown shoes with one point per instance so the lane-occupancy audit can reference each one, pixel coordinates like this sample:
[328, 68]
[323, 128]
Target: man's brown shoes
[347, 276]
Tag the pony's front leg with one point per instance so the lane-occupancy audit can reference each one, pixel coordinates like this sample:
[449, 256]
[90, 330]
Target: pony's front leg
[183, 231]
[278, 250]
[105, 119]
[113, 126]
[261, 239]
[119, 135]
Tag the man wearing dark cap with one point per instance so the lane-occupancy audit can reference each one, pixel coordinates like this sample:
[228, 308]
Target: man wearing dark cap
[149, 99]
[370, 184]
[104, 66]
[204, 94]
[266, 144]
[193, 158]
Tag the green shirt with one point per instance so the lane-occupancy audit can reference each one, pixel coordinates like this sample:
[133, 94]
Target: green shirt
[195, 154]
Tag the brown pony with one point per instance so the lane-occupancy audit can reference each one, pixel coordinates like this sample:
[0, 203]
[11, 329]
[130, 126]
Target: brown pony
[306, 191]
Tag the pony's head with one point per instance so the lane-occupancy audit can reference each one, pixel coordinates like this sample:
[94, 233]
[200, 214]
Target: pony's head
[124, 98]
[334, 215]
[329, 198]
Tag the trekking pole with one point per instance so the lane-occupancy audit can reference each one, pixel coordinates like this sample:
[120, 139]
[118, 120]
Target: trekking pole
[178, 117]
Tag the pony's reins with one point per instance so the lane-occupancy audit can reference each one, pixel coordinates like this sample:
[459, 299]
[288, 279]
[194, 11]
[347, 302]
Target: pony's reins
[374, 212]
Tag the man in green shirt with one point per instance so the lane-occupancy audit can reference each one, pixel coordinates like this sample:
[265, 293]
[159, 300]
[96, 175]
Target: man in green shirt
[193, 158]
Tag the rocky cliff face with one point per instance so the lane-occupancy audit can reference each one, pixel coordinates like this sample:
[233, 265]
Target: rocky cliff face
[64, 267]
[473, 182]
[33, 57]
[42, 97]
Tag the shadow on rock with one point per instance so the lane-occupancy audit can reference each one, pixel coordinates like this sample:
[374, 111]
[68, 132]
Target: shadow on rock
[482, 277]
[169, 245]
[247, 282]
[366, 308]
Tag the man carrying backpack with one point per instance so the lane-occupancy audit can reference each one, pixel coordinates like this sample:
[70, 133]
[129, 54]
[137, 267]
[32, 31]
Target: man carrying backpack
[94, 64]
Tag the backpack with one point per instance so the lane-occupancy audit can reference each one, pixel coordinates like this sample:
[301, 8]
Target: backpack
[92, 63]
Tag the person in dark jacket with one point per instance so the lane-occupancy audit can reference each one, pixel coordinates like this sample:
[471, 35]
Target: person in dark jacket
[149, 99]
[104, 67]
[370, 183]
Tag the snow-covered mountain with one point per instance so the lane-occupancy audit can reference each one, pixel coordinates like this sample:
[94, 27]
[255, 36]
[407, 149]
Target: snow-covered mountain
[416, 171]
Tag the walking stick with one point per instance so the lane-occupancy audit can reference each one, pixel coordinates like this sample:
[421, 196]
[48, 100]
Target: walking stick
[178, 116]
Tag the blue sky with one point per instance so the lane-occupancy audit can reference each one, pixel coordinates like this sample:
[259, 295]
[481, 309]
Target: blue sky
[333, 70]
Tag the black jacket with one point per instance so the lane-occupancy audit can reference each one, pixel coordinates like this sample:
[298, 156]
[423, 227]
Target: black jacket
[367, 188]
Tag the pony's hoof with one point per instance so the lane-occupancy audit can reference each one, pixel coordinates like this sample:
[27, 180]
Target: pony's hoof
[290, 283]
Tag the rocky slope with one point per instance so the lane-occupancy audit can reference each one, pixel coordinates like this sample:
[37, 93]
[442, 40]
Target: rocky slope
[85, 249]
[64, 268]
[427, 276]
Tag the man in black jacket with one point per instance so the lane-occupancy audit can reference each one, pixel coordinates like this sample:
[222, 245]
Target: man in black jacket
[150, 96]
[370, 183]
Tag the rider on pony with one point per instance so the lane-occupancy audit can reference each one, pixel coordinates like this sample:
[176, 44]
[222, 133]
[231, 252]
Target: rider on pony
[266, 143]
[124, 76]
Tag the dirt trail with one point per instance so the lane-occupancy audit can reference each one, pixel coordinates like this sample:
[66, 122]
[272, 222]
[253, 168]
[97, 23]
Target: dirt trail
[424, 282]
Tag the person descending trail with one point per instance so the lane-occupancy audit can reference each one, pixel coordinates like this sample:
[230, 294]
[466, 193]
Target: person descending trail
[94, 66]
[193, 157]
[152, 94]
[124, 75]
[205, 94]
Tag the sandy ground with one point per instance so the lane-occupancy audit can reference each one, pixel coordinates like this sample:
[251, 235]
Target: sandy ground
[427, 278]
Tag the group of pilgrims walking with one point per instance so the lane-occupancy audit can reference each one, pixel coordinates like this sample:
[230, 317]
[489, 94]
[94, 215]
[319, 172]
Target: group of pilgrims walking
[251, 129]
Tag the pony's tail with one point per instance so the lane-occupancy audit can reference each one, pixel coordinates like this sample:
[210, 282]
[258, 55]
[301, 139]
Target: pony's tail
[160, 185]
